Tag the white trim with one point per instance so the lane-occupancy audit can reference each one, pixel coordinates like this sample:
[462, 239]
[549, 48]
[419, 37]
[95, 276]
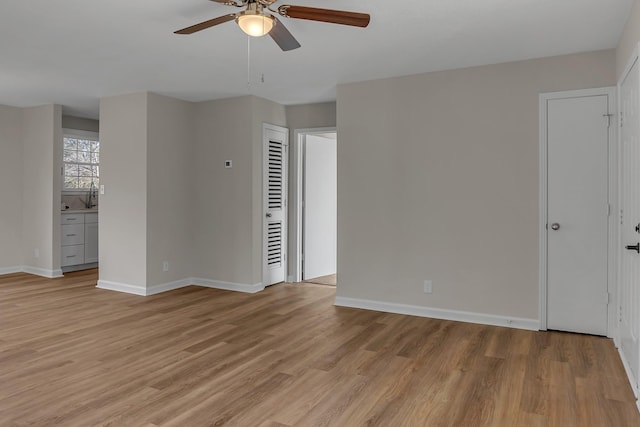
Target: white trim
[50, 274]
[87, 134]
[612, 246]
[296, 196]
[228, 286]
[122, 287]
[438, 313]
[634, 386]
[11, 270]
[165, 287]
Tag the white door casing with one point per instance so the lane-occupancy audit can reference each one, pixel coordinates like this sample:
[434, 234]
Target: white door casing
[629, 293]
[320, 206]
[297, 187]
[275, 183]
[575, 239]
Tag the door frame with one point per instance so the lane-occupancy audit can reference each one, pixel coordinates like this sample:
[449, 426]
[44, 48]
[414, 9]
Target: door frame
[613, 225]
[285, 230]
[296, 198]
[633, 58]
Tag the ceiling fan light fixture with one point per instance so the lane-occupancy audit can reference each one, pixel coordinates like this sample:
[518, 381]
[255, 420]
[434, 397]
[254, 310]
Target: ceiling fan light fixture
[255, 24]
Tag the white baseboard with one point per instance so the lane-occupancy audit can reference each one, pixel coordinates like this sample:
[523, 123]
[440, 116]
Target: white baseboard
[122, 287]
[632, 381]
[11, 270]
[438, 313]
[229, 286]
[165, 287]
[51, 274]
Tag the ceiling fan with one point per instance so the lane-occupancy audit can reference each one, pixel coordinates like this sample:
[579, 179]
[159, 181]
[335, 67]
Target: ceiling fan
[254, 21]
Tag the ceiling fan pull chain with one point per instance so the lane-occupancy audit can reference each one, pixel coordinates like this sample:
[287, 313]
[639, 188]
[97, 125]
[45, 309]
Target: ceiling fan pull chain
[248, 63]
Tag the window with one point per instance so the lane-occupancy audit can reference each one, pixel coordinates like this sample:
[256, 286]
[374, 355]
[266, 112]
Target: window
[81, 161]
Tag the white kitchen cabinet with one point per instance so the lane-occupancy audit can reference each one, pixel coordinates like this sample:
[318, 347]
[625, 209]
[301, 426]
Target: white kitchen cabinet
[79, 240]
[91, 242]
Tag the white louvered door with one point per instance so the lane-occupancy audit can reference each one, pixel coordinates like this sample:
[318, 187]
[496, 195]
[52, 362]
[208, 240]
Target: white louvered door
[275, 182]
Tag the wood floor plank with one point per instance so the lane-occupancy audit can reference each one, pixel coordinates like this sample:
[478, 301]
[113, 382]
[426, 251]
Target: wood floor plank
[72, 354]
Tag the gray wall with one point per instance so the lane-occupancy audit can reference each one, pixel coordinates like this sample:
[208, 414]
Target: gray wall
[629, 39]
[80, 123]
[11, 164]
[41, 187]
[123, 172]
[438, 179]
[170, 188]
[222, 210]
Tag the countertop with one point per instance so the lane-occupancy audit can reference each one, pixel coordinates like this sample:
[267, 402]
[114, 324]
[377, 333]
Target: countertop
[78, 211]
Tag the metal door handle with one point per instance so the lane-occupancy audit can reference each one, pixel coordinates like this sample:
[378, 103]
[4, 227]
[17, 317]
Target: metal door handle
[635, 247]
[268, 215]
[555, 226]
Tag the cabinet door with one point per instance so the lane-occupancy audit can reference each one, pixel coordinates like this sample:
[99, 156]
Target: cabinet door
[91, 243]
[72, 234]
[72, 255]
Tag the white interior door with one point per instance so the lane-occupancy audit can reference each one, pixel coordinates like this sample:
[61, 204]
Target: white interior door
[577, 213]
[630, 201]
[320, 206]
[275, 182]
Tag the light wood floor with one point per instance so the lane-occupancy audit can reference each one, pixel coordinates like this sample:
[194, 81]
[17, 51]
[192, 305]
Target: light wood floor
[74, 355]
[329, 280]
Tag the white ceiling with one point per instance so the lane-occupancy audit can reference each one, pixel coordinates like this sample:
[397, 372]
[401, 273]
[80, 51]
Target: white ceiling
[73, 52]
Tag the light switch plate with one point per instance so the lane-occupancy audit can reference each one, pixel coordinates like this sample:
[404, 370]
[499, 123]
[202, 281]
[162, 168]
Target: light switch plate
[228, 164]
[102, 189]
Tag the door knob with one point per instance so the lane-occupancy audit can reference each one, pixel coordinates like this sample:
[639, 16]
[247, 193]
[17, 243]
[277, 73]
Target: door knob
[555, 226]
[635, 247]
[268, 215]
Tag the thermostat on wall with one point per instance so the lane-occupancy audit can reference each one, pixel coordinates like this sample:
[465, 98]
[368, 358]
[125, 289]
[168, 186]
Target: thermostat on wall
[228, 164]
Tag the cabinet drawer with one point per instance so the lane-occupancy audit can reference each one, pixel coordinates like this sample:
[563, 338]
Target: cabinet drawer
[90, 218]
[72, 218]
[72, 234]
[72, 255]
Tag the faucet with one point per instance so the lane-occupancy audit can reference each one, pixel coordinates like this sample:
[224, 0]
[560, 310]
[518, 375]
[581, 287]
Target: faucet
[91, 196]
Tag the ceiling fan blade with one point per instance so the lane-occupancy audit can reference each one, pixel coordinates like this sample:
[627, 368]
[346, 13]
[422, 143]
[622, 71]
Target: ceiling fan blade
[325, 15]
[206, 24]
[283, 37]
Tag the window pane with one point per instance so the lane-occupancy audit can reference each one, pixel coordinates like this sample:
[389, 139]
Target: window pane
[70, 156]
[84, 145]
[84, 156]
[70, 182]
[95, 146]
[70, 170]
[85, 170]
[95, 158]
[84, 182]
[70, 144]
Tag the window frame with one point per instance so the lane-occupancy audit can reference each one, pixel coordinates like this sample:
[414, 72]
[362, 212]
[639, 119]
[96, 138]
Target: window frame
[81, 134]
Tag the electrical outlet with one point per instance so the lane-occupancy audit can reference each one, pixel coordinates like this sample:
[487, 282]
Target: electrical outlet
[165, 265]
[228, 164]
[102, 189]
[428, 287]
[36, 253]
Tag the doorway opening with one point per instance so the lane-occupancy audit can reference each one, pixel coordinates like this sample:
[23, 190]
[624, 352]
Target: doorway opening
[314, 228]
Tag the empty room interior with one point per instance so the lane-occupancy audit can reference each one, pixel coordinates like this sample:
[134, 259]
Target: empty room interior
[320, 213]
